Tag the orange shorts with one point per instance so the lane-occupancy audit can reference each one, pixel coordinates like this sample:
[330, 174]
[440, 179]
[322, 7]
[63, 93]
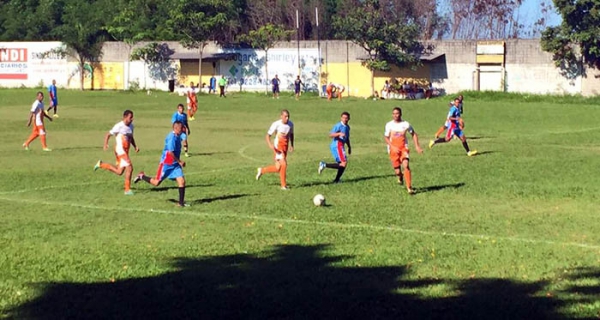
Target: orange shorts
[397, 157]
[39, 130]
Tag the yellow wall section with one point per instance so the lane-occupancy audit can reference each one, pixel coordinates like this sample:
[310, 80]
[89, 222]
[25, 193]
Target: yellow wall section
[188, 72]
[107, 76]
[490, 58]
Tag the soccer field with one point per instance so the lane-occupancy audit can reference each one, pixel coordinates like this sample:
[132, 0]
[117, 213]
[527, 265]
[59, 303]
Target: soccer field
[510, 233]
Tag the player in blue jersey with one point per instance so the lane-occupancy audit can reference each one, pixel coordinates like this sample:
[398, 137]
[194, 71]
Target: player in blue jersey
[53, 98]
[455, 128]
[171, 166]
[297, 85]
[340, 134]
[180, 116]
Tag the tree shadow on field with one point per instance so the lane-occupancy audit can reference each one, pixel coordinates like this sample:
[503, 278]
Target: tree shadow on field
[440, 187]
[292, 282]
[160, 189]
[358, 179]
[212, 199]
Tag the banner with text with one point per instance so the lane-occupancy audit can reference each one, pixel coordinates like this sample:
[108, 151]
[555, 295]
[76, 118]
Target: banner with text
[31, 63]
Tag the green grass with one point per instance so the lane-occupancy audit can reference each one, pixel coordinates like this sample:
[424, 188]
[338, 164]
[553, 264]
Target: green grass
[510, 233]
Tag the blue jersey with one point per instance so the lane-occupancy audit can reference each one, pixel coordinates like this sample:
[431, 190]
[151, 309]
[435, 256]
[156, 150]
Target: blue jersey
[181, 117]
[52, 91]
[340, 127]
[454, 113]
[173, 144]
[213, 82]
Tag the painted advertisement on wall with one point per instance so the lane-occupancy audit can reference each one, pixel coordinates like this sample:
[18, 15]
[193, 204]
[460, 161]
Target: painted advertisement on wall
[31, 63]
[247, 68]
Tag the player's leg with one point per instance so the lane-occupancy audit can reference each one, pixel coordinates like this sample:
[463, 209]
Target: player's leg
[341, 162]
[407, 174]
[161, 173]
[463, 139]
[270, 169]
[184, 142]
[396, 164]
[42, 133]
[440, 131]
[128, 174]
[181, 188]
[282, 164]
[34, 134]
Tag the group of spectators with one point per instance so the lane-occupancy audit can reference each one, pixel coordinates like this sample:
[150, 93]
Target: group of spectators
[406, 90]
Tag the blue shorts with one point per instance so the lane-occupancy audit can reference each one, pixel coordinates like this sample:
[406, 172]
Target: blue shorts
[183, 136]
[454, 130]
[275, 89]
[171, 172]
[296, 90]
[339, 153]
[54, 102]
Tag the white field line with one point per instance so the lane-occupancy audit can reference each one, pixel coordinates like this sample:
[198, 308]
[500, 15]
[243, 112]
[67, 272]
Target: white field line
[217, 216]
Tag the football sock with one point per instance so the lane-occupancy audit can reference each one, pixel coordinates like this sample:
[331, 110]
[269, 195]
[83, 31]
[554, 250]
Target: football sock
[407, 178]
[466, 146]
[43, 139]
[146, 178]
[185, 149]
[181, 195]
[340, 172]
[127, 184]
[282, 173]
[269, 169]
[31, 138]
[105, 166]
[439, 140]
[332, 165]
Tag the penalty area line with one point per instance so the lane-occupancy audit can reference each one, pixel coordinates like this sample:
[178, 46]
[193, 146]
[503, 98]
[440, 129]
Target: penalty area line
[217, 216]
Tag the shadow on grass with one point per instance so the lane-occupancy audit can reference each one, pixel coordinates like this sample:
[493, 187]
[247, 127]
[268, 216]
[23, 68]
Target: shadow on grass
[320, 183]
[293, 282]
[159, 189]
[209, 200]
[478, 137]
[192, 154]
[440, 187]
[481, 153]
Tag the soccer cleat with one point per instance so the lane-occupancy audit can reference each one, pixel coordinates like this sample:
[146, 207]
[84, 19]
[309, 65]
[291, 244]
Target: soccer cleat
[25, 147]
[55, 116]
[431, 143]
[128, 193]
[138, 177]
[258, 173]
[400, 180]
[47, 149]
[285, 188]
[321, 166]
[411, 191]
[187, 155]
[98, 164]
[192, 118]
[471, 153]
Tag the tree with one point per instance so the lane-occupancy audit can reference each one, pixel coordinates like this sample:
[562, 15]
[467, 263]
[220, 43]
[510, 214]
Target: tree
[264, 38]
[387, 41]
[575, 41]
[196, 22]
[82, 32]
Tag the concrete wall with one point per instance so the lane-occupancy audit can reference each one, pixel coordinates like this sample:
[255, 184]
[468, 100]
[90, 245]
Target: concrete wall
[527, 68]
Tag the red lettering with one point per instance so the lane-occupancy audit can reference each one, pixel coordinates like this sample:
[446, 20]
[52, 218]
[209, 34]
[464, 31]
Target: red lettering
[13, 55]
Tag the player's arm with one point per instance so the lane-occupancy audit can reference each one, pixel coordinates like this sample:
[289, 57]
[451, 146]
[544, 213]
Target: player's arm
[134, 144]
[106, 138]
[31, 117]
[349, 146]
[47, 116]
[269, 143]
[187, 127]
[291, 141]
[415, 137]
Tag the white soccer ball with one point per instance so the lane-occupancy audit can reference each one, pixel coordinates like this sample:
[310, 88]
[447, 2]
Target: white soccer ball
[319, 200]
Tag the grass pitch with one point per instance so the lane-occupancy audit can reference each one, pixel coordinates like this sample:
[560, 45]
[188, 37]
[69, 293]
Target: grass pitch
[510, 233]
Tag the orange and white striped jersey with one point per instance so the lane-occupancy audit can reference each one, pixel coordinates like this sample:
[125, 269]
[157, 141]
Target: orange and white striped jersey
[191, 95]
[282, 133]
[396, 132]
[123, 134]
[38, 109]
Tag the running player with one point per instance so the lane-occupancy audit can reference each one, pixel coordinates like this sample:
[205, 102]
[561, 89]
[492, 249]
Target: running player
[297, 86]
[171, 166]
[447, 123]
[180, 116]
[455, 129]
[397, 145]
[275, 84]
[192, 101]
[340, 134]
[284, 142]
[123, 132]
[53, 98]
[37, 116]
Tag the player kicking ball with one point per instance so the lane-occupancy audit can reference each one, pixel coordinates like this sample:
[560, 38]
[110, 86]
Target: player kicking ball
[340, 134]
[171, 166]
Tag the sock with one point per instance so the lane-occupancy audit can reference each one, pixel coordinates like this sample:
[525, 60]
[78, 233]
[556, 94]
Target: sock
[127, 184]
[282, 174]
[440, 140]
[340, 173]
[105, 166]
[407, 178]
[146, 178]
[185, 149]
[466, 146]
[269, 169]
[181, 195]
[332, 165]
[43, 139]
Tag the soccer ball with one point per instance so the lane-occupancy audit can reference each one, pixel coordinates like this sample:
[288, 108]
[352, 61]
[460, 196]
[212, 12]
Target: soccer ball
[319, 200]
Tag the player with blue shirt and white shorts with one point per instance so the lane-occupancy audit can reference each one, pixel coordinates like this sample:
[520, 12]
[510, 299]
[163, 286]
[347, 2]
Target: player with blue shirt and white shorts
[340, 134]
[171, 166]
[180, 116]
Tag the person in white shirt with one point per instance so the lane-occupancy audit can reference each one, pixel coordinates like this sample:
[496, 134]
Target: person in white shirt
[36, 116]
[284, 141]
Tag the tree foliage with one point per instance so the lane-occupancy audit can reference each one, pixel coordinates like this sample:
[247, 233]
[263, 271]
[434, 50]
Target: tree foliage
[576, 40]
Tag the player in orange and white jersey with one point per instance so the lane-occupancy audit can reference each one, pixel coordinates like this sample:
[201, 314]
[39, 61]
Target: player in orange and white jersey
[123, 133]
[192, 101]
[397, 144]
[283, 143]
[339, 89]
[36, 116]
